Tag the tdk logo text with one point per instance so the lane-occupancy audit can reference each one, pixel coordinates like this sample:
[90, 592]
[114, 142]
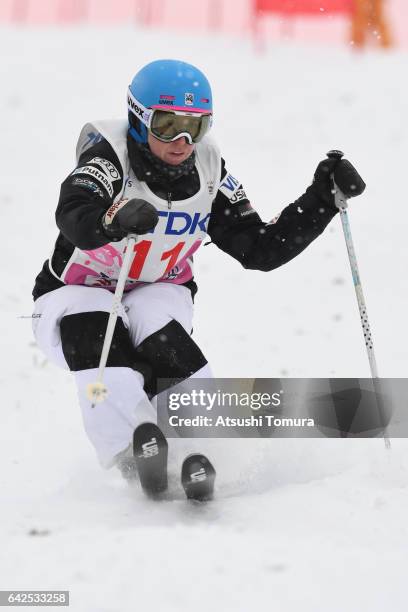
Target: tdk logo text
[182, 223]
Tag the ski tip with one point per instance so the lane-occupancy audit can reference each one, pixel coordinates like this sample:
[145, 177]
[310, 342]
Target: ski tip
[198, 477]
[150, 453]
[147, 431]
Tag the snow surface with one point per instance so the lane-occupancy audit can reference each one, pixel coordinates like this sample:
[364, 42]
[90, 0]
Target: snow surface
[310, 525]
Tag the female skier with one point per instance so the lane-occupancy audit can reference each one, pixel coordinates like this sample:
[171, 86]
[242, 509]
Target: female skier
[160, 176]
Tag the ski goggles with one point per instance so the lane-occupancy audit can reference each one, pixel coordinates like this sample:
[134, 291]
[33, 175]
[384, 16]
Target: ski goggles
[168, 125]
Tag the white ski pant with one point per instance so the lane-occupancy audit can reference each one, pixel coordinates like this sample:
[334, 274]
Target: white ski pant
[145, 310]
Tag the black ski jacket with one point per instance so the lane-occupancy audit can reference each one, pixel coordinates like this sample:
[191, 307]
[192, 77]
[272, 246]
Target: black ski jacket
[234, 226]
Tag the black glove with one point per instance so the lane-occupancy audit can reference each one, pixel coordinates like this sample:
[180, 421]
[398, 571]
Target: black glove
[129, 217]
[345, 176]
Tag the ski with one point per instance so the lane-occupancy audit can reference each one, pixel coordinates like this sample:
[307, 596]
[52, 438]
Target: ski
[150, 452]
[197, 477]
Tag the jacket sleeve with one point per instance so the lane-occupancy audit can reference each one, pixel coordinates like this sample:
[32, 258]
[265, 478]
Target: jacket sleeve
[236, 228]
[86, 194]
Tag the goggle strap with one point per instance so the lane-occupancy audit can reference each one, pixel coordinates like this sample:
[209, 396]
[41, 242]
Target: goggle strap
[141, 112]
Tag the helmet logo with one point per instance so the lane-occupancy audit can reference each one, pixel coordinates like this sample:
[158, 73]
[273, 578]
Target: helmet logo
[167, 100]
[189, 99]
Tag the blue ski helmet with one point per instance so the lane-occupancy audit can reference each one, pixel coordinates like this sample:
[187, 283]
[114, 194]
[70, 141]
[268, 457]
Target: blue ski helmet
[170, 85]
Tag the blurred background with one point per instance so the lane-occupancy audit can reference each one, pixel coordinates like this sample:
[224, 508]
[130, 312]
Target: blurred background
[355, 22]
[317, 527]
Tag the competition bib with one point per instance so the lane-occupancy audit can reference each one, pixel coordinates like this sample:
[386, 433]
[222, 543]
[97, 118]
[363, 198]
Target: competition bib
[165, 254]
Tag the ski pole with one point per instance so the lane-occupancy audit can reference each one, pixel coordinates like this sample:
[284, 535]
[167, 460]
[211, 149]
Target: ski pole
[342, 204]
[97, 391]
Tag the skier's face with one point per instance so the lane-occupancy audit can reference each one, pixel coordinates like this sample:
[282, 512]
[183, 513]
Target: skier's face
[173, 153]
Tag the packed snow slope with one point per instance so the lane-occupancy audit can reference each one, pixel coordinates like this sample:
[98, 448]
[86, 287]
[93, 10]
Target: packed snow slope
[312, 525]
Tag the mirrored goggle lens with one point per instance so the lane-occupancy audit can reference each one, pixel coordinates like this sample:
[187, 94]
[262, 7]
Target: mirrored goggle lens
[167, 125]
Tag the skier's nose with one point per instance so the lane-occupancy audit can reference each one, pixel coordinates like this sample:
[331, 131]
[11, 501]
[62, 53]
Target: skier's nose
[182, 140]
